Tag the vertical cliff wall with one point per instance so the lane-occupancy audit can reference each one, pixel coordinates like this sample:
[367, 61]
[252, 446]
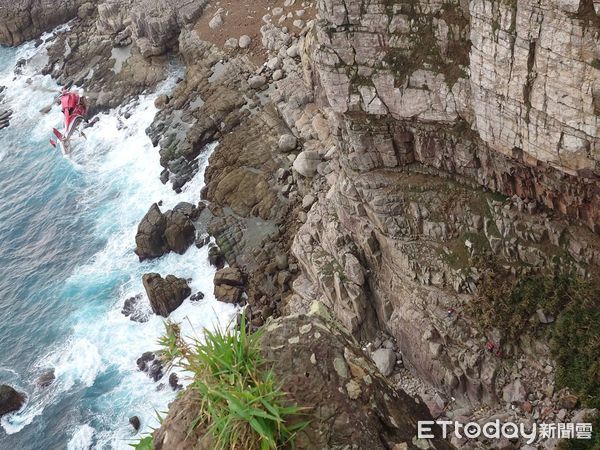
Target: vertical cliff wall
[461, 132]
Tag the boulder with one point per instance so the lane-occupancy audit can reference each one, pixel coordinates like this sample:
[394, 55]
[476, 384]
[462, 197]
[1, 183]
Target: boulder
[514, 393]
[244, 41]
[134, 309]
[135, 422]
[174, 382]
[385, 360]
[180, 231]
[10, 399]
[160, 233]
[216, 22]
[216, 257]
[568, 401]
[229, 285]
[149, 239]
[165, 294]
[257, 81]
[287, 143]
[306, 163]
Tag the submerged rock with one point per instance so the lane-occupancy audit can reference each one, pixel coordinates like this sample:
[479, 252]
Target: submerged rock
[10, 399]
[165, 294]
[151, 364]
[134, 309]
[46, 379]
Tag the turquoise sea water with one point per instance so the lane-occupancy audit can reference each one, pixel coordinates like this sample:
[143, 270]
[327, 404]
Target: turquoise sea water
[67, 228]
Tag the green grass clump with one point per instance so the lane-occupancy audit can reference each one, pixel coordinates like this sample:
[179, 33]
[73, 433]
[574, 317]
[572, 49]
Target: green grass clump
[241, 403]
[145, 443]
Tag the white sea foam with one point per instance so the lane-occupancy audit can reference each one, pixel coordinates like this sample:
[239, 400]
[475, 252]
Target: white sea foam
[120, 168]
[82, 438]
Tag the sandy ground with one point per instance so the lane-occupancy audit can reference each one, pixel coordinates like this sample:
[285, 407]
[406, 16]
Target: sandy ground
[245, 17]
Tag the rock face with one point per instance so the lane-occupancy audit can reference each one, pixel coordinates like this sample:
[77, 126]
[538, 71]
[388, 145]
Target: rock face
[160, 233]
[22, 20]
[324, 370]
[165, 294]
[229, 285]
[411, 146]
[525, 120]
[10, 399]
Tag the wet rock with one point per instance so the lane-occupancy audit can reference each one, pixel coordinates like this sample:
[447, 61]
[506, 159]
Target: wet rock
[216, 257]
[150, 239]
[287, 143]
[133, 308]
[46, 379]
[197, 297]
[385, 360]
[135, 422]
[229, 285]
[151, 364]
[165, 294]
[10, 399]
[174, 382]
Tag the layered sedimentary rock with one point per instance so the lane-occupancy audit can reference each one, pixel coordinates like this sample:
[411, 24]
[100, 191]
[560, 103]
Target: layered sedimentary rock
[513, 89]
[453, 134]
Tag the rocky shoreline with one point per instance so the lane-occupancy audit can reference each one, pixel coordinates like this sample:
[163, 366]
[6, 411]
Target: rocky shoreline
[356, 171]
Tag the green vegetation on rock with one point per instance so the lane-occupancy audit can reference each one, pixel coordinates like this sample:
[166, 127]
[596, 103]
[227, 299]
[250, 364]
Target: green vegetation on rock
[512, 306]
[241, 403]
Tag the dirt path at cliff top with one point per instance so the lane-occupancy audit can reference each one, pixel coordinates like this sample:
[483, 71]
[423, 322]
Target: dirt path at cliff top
[245, 17]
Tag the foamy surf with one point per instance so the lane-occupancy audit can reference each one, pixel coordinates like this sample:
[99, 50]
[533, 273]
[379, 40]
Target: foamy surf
[114, 172]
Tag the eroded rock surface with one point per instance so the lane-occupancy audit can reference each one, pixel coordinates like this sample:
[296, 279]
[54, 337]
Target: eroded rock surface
[165, 294]
[160, 233]
[323, 369]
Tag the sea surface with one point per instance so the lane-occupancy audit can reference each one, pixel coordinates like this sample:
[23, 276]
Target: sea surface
[67, 229]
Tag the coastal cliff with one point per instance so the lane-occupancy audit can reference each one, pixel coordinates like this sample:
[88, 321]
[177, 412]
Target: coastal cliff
[395, 161]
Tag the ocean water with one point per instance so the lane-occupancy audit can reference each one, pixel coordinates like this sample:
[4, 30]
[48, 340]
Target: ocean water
[67, 228]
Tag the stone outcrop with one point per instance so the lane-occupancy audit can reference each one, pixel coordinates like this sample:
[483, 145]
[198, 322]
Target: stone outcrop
[436, 156]
[165, 294]
[512, 92]
[10, 399]
[322, 369]
[22, 20]
[160, 233]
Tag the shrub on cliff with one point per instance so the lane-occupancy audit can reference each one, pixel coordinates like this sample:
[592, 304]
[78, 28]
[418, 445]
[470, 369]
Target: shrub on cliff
[241, 403]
